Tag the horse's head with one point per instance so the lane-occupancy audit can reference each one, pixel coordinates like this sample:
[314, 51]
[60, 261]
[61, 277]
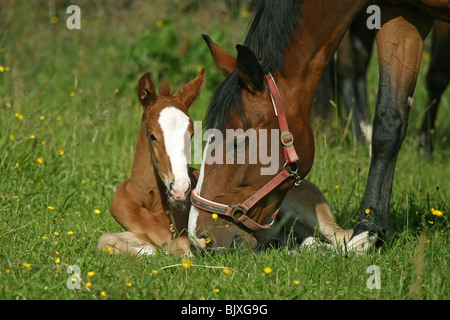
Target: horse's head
[251, 132]
[168, 130]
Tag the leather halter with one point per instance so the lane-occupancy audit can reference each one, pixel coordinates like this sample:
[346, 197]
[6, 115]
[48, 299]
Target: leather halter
[291, 157]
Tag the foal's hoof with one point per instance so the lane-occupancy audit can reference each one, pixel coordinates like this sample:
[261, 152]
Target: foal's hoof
[362, 242]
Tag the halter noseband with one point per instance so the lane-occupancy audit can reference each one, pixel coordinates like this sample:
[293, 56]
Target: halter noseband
[291, 157]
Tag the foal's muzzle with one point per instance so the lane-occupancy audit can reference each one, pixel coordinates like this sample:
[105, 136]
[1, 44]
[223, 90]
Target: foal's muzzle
[178, 195]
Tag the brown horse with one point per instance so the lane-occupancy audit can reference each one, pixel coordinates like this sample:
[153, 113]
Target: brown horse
[294, 41]
[153, 205]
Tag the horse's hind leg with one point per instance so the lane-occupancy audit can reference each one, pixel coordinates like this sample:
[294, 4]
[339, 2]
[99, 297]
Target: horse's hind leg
[125, 242]
[400, 43]
[437, 80]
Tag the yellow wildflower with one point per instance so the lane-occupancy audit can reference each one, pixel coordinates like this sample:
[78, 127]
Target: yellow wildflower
[61, 152]
[367, 211]
[56, 233]
[216, 290]
[57, 260]
[44, 238]
[8, 271]
[50, 208]
[2, 68]
[70, 233]
[296, 282]
[40, 159]
[103, 294]
[208, 240]
[226, 271]
[91, 273]
[267, 270]
[96, 211]
[72, 93]
[26, 265]
[129, 284]
[214, 216]
[159, 23]
[186, 263]
[12, 138]
[88, 284]
[154, 271]
[437, 213]
[54, 20]
[42, 117]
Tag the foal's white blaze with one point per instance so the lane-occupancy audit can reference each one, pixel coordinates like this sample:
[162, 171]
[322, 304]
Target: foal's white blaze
[174, 124]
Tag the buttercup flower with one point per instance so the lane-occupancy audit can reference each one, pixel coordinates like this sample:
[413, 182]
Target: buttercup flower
[214, 216]
[437, 213]
[226, 271]
[186, 263]
[267, 270]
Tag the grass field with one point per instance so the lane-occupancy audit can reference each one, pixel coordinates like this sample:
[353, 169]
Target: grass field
[69, 119]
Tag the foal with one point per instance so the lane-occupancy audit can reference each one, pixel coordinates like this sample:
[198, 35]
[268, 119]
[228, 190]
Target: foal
[153, 205]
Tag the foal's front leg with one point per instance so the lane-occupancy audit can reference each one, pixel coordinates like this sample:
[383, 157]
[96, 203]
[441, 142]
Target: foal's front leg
[400, 43]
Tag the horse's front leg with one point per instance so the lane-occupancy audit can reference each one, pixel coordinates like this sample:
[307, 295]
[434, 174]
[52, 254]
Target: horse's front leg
[400, 44]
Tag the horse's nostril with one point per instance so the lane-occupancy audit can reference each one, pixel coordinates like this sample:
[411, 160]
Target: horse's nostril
[171, 185]
[186, 194]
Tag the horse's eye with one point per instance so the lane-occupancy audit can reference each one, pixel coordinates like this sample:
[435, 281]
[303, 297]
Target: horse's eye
[152, 137]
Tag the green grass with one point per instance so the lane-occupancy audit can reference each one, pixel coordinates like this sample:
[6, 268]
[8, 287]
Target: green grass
[75, 91]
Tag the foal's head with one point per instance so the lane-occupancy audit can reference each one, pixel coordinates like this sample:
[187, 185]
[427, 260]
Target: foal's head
[168, 130]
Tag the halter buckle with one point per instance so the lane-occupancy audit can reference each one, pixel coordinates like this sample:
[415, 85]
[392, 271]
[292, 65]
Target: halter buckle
[236, 208]
[294, 173]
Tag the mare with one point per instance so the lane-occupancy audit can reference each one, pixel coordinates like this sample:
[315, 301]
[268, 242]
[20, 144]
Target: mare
[153, 204]
[294, 41]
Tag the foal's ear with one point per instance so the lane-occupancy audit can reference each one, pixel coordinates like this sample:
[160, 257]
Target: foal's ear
[223, 60]
[190, 91]
[146, 90]
[250, 69]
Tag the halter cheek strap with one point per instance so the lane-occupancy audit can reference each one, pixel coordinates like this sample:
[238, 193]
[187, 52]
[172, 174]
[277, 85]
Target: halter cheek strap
[238, 212]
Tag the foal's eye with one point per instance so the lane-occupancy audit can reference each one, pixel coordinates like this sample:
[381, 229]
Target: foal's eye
[152, 137]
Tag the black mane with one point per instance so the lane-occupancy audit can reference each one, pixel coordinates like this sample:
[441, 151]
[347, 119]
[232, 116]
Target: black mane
[272, 27]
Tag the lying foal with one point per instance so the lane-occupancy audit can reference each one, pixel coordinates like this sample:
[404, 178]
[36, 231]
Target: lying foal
[153, 205]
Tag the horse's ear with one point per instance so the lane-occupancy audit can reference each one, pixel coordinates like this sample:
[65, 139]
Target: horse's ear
[190, 91]
[146, 90]
[250, 69]
[223, 60]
